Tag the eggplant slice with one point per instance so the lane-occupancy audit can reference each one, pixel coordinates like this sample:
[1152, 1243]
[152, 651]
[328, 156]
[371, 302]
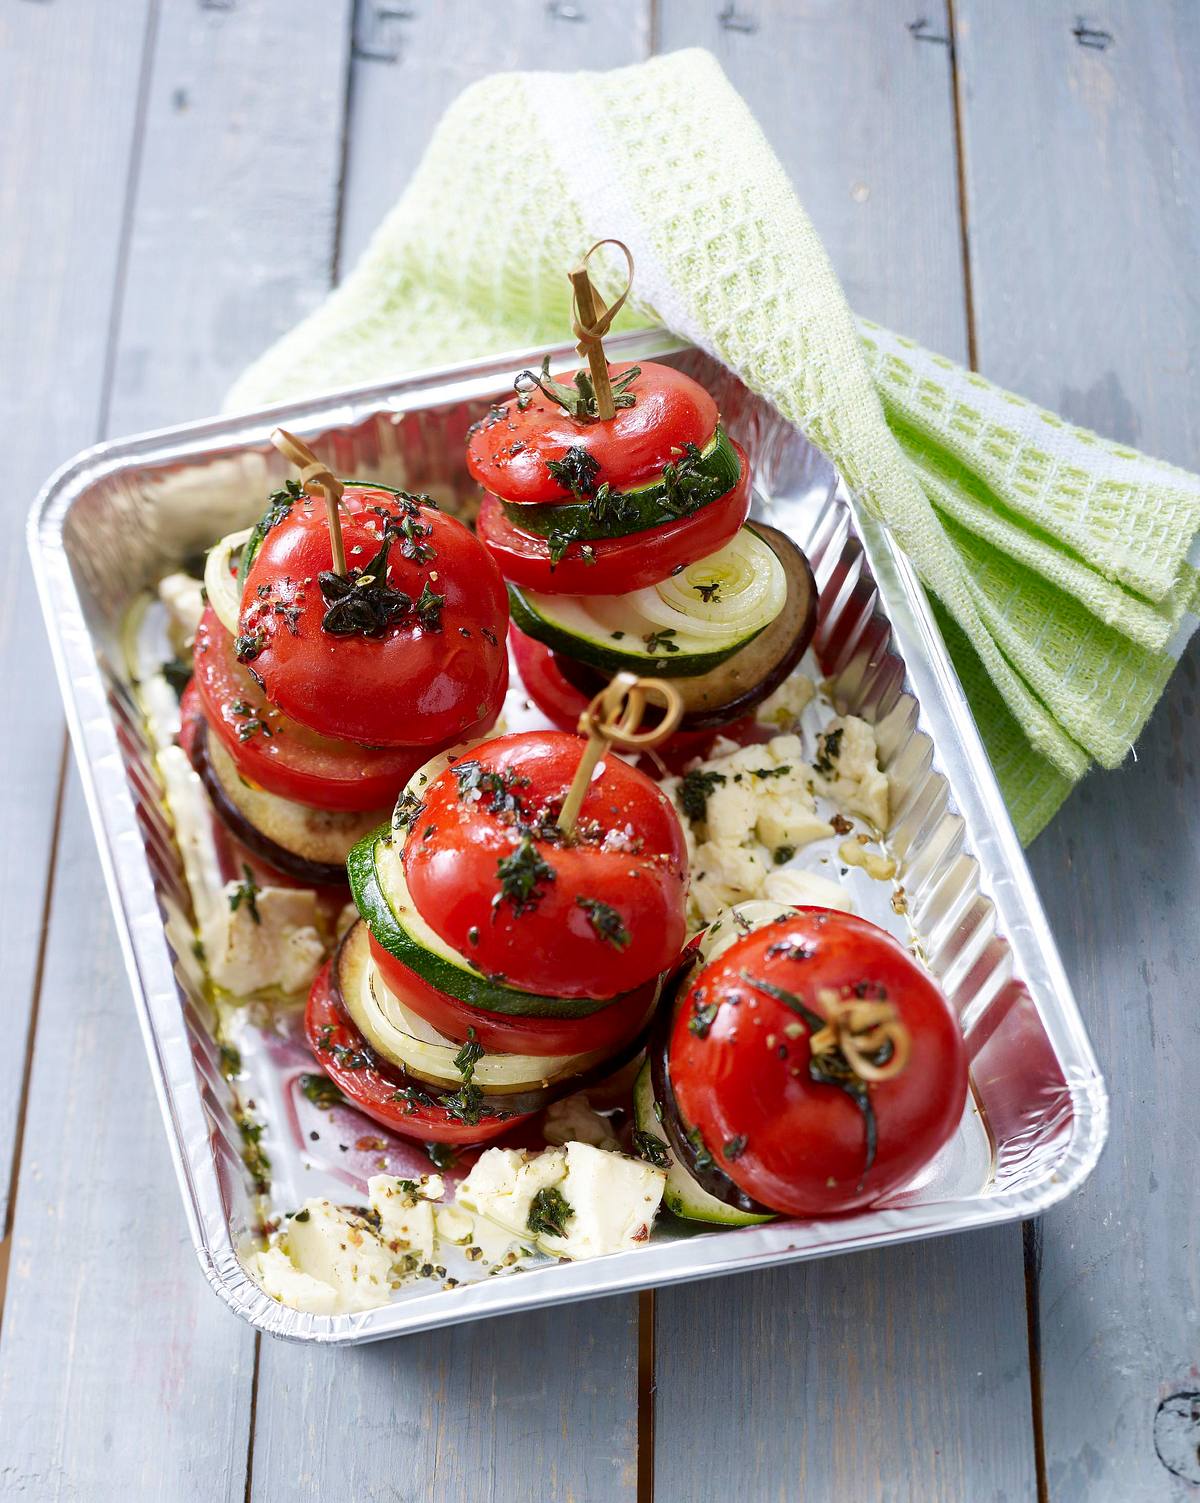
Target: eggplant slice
[308, 845]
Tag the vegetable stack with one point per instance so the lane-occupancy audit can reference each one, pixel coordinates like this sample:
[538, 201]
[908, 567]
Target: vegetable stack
[616, 506]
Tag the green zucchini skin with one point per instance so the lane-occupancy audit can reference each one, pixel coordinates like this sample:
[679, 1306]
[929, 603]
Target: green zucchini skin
[683, 1196]
[608, 657]
[647, 506]
[467, 985]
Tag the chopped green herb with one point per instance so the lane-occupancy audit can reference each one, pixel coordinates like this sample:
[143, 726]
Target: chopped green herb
[246, 894]
[441, 1155]
[782, 854]
[652, 1149]
[549, 1213]
[301, 1215]
[321, 1091]
[247, 646]
[703, 1159]
[408, 810]
[469, 1056]
[576, 471]
[230, 1061]
[704, 1015]
[429, 608]
[661, 641]
[466, 1103]
[763, 773]
[413, 1097]
[695, 790]
[521, 874]
[361, 602]
[178, 673]
[734, 1147]
[606, 922]
[686, 486]
[830, 750]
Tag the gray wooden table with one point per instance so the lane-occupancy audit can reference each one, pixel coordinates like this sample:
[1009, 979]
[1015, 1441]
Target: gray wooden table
[1012, 183]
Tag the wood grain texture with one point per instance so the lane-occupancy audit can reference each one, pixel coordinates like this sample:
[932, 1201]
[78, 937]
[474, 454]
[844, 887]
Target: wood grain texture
[120, 1373]
[411, 60]
[859, 113]
[901, 1374]
[530, 1405]
[1082, 154]
[63, 173]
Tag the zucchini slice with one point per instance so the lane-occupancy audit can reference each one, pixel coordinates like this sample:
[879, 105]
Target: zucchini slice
[751, 674]
[381, 894]
[406, 1039]
[683, 626]
[616, 515]
[683, 1195]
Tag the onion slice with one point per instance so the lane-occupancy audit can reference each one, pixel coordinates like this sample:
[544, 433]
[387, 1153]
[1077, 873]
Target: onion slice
[220, 580]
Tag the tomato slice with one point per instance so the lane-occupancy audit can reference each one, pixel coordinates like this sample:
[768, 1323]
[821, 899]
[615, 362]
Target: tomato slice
[508, 450]
[590, 916]
[618, 564]
[291, 761]
[501, 1033]
[433, 675]
[739, 1062]
[562, 702]
[374, 1086]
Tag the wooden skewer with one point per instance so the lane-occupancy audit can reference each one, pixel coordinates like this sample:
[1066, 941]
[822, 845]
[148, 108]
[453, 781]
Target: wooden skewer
[593, 320]
[612, 719]
[314, 472]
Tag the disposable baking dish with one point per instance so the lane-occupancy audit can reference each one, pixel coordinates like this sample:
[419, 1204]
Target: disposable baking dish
[117, 517]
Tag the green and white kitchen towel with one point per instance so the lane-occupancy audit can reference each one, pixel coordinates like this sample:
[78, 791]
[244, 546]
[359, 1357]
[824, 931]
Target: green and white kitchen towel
[1059, 561]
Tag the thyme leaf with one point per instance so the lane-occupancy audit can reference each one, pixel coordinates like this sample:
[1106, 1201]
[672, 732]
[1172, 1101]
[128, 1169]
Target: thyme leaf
[549, 1212]
[652, 1149]
[469, 1056]
[245, 894]
[606, 922]
[522, 873]
[695, 790]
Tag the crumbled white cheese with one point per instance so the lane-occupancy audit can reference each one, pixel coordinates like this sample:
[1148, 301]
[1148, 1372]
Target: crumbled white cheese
[183, 597]
[504, 1181]
[785, 707]
[722, 875]
[406, 1223]
[847, 745]
[573, 1119]
[281, 948]
[283, 1281]
[453, 1224]
[807, 890]
[613, 1201]
[342, 1250]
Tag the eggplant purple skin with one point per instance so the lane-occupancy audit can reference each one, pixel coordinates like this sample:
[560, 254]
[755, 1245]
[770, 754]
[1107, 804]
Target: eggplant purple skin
[711, 1178]
[515, 1103]
[288, 863]
[591, 681]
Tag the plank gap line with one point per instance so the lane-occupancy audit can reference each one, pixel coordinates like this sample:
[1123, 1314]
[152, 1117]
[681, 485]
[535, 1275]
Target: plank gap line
[960, 159]
[249, 1488]
[645, 1415]
[31, 1034]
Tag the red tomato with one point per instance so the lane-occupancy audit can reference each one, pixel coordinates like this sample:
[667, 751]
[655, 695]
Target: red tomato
[373, 1085]
[434, 677]
[618, 564]
[292, 761]
[561, 702]
[594, 916]
[508, 450]
[609, 1028]
[739, 1062]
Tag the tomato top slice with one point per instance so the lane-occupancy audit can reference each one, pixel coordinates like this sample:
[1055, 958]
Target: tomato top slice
[594, 915]
[614, 566]
[508, 450]
[740, 1057]
[278, 753]
[434, 670]
[384, 1093]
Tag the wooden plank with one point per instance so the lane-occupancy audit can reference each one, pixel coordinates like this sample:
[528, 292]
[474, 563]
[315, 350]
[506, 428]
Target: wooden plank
[902, 1374]
[532, 1406]
[411, 60]
[1085, 249]
[68, 106]
[233, 185]
[120, 1375]
[539, 1405]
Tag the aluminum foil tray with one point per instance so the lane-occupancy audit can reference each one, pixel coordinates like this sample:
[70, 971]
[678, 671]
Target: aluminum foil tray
[117, 517]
